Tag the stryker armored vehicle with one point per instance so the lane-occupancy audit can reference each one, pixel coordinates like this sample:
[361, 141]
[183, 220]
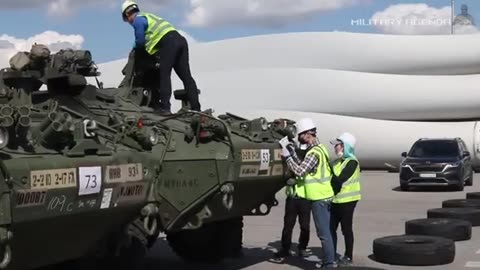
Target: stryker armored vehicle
[88, 172]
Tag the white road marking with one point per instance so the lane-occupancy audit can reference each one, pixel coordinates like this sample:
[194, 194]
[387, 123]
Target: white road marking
[472, 264]
[478, 251]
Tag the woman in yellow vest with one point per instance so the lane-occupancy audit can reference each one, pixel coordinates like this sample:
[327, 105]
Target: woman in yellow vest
[346, 184]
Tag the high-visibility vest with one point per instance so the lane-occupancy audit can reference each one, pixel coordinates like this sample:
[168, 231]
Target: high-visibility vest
[318, 183]
[157, 28]
[351, 188]
[297, 190]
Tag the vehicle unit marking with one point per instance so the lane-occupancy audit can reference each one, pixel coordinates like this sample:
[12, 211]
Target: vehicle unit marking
[277, 154]
[87, 204]
[27, 198]
[251, 155]
[130, 192]
[253, 171]
[178, 183]
[55, 178]
[107, 198]
[90, 180]
[264, 163]
[60, 203]
[124, 173]
[277, 169]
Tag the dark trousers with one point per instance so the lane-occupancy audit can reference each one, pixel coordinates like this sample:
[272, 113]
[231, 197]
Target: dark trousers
[173, 54]
[296, 207]
[342, 213]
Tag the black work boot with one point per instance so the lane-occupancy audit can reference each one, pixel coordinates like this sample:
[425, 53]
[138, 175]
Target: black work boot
[282, 253]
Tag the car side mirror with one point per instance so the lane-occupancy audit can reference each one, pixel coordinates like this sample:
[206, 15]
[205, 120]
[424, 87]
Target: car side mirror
[466, 154]
[404, 154]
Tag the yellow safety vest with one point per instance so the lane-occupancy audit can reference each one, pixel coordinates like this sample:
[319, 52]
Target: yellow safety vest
[297, 190]
[157, 28]
[318, 183]
[351, 188]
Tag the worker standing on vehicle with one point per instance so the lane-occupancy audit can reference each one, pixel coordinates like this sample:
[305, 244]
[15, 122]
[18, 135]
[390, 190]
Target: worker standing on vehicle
[315, 172]
[159, 39]
[295, 205]
[346, 181]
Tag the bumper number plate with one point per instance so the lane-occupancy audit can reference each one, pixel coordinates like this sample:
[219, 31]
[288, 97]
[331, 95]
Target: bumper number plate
[428, 175]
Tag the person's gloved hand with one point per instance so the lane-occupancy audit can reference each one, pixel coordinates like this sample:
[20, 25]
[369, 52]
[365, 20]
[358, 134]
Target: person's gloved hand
[291, 182]
[285, 152]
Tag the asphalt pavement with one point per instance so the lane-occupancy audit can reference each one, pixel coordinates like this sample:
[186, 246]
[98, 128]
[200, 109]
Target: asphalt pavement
[382, 212]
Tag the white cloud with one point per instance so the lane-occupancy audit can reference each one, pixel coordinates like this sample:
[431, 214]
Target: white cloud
[417, 19]
[205, 13]
[65, 8]
[55, 41]
[62, 8]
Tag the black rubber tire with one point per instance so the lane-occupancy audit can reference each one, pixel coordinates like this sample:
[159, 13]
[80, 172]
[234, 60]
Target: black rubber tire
[132, 255]
[473, 195]
[469, 182]
[414, 250]
[468, 214]
[210, 243]
[470, 203]
[455, 229]
[357, 268]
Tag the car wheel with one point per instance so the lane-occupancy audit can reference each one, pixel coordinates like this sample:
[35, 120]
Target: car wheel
[455, 229]
[469, 203]
[460, 186]
[464, 213]
[469, 181]
[473, 195]
[414, 250]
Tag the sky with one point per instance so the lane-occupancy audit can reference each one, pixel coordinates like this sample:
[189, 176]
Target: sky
[96, 25]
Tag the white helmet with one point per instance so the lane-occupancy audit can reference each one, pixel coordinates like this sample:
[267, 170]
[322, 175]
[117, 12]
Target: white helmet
[127, 5]
[345, 138]
[304, 124]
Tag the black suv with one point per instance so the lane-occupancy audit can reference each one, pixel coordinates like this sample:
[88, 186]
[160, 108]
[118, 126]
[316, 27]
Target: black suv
[437, 162]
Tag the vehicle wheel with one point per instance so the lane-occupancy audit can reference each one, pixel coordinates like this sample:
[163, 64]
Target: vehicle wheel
[469, 182]
[468, 214]
[470, 203]
[404, 188]
[357, 268]
[473, 195]
[132, 250]
[414, 250]
[455, 229]
[460, 186]
[210, 243]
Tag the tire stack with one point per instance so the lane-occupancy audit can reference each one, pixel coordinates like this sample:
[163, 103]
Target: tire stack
[431, 241]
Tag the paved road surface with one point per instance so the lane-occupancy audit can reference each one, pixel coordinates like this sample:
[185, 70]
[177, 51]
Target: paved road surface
[382, 212]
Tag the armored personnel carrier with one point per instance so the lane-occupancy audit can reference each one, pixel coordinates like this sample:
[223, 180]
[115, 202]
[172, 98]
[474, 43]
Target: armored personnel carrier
[89, 172]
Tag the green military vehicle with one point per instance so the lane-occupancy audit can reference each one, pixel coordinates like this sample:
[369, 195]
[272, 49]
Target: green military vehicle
[88, 172]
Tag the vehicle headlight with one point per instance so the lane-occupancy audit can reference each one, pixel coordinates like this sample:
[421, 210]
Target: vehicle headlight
[153, 137]
[4, 137]
[263, 123]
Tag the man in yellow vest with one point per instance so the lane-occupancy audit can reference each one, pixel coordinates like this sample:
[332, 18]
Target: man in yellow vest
[159, 39]
[295, 205]
[346, 183]
[315, 175]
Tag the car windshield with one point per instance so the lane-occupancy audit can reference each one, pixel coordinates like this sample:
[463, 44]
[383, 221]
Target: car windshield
[434, 149]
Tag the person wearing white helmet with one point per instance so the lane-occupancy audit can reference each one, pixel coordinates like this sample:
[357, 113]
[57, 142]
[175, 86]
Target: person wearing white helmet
[157, 38]
[314, 174]
[346, 184]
